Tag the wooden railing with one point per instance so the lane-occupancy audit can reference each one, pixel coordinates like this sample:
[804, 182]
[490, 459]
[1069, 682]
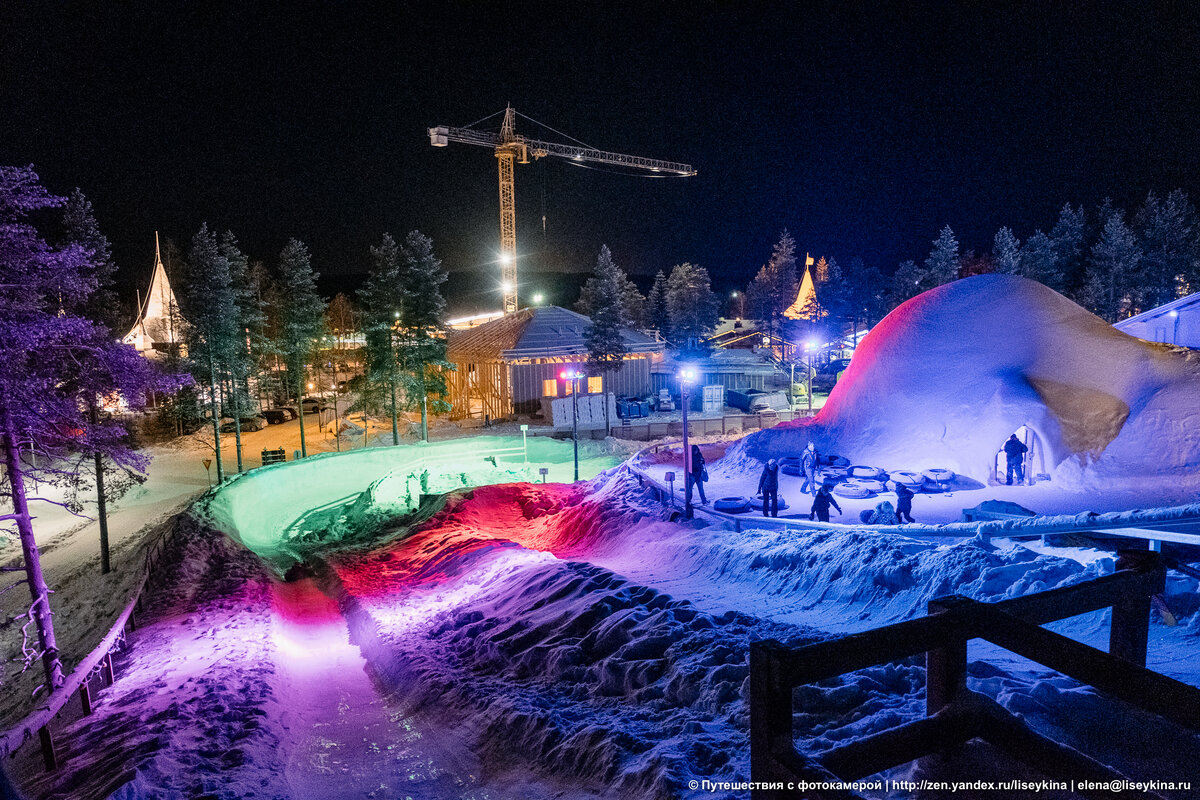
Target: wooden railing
[96, 664]
[956, 714]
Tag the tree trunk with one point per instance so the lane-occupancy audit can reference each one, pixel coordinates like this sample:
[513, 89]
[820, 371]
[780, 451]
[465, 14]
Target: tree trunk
[216, 418]
[237, 424]
[101, 505]
[40, 594]
[303, 443]
[395, 423]
[424, 410]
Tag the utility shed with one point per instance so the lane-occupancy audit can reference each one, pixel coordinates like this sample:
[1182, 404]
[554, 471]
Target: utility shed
[507, 366]
[1176, 322]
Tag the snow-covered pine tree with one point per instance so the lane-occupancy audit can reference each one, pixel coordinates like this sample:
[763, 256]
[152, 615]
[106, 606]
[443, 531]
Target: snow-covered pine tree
[907, 282]
[1006, 252]
[943, 262]
[50, 362]
[80, 227]
[606, 345]
[1039, 263]
[382, 299]
[773, 289]
[631, 299]
[656, 306]
[212, 334]
[423, 327]
[691, 306]
[248, 317]
[1112, 284]
[1168, 230]
[301, 311]
[1069, 240]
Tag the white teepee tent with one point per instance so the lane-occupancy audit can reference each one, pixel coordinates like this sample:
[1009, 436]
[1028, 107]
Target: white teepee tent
[158, 323]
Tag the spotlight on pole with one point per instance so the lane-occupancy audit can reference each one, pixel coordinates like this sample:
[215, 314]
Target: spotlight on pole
[687, 375]
[573, 374]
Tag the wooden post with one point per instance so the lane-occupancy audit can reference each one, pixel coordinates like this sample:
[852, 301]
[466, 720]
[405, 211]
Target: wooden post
[945, 666]
[108, 668]
[770, 715]
[1131, 616]
[85, 698]
[47, 748]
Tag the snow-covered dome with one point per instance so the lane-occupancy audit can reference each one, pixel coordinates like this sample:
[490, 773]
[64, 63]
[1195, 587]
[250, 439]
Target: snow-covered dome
[946, 377]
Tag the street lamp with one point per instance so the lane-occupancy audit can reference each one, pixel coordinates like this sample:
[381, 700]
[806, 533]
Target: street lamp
[686, 376]
[741, 302]
[538, 298]
[574, 374]
[1174, 315]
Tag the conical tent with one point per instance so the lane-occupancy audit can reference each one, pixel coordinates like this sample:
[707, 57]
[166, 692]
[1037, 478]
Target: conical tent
[804, 298]
[156, 327]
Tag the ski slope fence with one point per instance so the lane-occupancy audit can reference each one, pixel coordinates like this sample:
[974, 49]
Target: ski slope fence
[96, 664]
[954, 713]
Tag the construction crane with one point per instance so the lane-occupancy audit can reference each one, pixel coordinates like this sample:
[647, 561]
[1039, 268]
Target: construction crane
[510, 147]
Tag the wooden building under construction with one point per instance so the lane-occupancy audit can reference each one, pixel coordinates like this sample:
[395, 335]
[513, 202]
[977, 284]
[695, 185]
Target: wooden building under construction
[506, 367]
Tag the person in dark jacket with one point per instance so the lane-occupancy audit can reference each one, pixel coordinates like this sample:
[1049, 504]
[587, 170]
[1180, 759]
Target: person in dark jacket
[697, 475]
[883, 514]
[1014, 452]
[809, 460]
[768, 487]
[904, 497]
[822, 502]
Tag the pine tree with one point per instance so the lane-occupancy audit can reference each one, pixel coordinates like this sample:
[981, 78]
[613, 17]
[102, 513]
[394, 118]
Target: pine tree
[907, 282]
[1006, 252]
[1168, 231]
[942, 264]
[1038, 261]
[81, 228]
[423, 327]
[691, 306]
[301, 312]
[632, 301]
[53, 364]
[382, 298]
[656, 306]
[210, 309]
[774, 288]
[1112, 284]
[247, 321]
[605, 343]
[1069, 241]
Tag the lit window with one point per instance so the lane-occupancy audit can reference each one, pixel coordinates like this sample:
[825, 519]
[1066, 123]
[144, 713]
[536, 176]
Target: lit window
[550, 388]
[595, 385]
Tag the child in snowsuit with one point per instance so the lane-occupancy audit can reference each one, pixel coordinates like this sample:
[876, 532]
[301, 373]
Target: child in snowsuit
[768, 487]
[808, 468]
[697, 476]
[1014, 453]
[884, 514]
[904, 497]
[821, 504]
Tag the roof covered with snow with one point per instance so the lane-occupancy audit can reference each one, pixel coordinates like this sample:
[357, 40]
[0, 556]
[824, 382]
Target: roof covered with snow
[543, 332]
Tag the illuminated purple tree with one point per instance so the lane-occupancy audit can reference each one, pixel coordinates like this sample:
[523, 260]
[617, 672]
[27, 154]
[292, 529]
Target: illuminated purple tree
[56, 369]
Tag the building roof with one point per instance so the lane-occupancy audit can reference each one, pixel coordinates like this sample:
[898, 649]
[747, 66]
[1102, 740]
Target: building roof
[805, 296]
[1178, 306]
[542, 332]
[154, 325]
[737, 362]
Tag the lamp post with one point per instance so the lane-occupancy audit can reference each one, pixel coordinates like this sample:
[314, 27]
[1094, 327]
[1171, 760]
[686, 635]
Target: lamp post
[809, 347]
[1174, 315]
[686, 376]
[573, 375]
[741, 304]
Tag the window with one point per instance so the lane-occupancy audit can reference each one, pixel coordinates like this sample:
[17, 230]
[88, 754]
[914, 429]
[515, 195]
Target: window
[550, 388]
[595, 385]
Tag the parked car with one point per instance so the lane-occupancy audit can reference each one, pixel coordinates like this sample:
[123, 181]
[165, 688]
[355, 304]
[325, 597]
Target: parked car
[255, 423]
[276, 416]
[312, 405]
[827, 374]
[753, 401]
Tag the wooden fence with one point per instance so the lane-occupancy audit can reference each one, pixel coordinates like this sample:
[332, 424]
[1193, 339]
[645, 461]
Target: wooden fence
[956, 714]
[648, 428]
[98, 664]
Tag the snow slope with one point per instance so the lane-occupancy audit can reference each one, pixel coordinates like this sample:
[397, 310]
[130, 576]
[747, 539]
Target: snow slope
[946, 377]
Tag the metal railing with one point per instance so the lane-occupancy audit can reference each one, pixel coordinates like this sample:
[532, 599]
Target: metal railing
[956, 714]
[97, 663]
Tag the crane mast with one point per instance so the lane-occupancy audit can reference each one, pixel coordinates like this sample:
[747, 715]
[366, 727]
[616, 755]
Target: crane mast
[511, 147]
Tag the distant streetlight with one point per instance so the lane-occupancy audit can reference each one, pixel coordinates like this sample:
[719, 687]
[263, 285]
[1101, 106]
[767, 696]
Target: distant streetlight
[573, 375]
[741, 301]
[538, 298]
[1174, 315]
[810, 347]
[686, 376]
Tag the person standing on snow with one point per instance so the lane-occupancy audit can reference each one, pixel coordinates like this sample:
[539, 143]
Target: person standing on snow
[904, 498]
[1014, 452]
[808, 468]
[821, 503]
[697, 475]
[768, 487]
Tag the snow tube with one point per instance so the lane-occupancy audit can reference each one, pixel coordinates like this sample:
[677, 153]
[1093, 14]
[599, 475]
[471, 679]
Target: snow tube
[864, 516]
[871, 485]
[933, 487]
[832, 474]
[790, 469]
[912, 480]
[866, 472]
[835, 461]
[732, 505]
[853, 488]
[939, 475]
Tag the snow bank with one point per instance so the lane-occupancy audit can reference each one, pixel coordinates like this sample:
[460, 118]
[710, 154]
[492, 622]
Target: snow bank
[946, 377]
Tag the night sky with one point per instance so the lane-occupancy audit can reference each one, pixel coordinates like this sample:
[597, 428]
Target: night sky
[862, 128]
